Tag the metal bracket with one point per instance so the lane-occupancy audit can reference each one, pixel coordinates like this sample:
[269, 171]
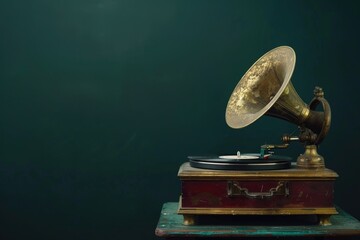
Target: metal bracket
[234, 189]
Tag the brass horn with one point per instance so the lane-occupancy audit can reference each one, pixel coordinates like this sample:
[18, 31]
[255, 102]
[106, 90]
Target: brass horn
[266, 89]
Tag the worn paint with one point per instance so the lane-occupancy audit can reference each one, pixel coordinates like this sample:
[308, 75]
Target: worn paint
[171, 225]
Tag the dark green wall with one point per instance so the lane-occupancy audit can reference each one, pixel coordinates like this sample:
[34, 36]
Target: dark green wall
[102, 100]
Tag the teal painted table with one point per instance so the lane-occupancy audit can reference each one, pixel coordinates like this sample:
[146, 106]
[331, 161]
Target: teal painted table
[170, 226]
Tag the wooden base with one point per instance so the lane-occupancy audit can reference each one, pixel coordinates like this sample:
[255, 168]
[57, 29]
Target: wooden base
[190, 214]
[171, 226]
[191, 220]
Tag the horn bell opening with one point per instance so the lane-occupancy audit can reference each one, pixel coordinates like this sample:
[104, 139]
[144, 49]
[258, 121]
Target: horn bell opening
[260, 87]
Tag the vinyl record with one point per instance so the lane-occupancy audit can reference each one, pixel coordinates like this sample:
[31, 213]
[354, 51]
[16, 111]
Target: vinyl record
[254, 162]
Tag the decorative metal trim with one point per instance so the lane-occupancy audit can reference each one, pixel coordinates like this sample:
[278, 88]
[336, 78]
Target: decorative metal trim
[234, 189]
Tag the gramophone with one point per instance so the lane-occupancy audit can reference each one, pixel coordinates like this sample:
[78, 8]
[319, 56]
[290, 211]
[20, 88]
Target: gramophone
[264, 183]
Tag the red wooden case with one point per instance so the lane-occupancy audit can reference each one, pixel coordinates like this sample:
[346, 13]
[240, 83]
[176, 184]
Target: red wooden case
[271, 192]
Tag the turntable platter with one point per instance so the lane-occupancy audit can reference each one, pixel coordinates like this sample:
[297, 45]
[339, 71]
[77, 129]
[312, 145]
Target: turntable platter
[249, 161]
